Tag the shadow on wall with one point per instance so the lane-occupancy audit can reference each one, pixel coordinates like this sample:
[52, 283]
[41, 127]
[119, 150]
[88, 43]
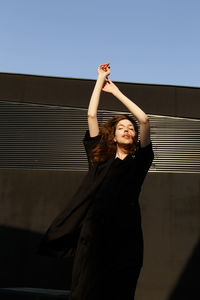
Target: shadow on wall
[21, 266]
[188, 285]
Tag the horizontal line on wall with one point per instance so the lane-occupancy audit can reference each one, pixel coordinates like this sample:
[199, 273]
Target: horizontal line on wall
[44, 137]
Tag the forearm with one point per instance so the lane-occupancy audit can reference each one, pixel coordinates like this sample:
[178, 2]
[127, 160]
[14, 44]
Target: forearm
[94, 100]
[138, 113]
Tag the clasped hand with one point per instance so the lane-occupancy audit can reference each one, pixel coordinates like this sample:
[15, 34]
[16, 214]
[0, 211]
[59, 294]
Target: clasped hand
[108, 85]
[104, 70]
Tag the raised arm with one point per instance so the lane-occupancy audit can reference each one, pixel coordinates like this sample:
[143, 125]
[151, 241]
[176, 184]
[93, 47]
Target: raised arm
[103, 72]
[140, 116]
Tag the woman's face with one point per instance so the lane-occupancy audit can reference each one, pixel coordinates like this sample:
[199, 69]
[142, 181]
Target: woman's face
[124, 132]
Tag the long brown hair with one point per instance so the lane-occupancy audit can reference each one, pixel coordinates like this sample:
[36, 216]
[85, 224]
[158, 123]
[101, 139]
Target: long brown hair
[107, 148]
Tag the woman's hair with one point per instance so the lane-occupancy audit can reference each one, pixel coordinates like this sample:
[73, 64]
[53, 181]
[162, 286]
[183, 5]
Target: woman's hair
[106, 148]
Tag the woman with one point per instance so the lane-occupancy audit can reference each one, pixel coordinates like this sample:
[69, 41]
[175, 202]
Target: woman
[102, 224]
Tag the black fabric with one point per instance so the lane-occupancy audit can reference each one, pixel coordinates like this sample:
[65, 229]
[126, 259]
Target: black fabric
[101, 227]
[62, 235]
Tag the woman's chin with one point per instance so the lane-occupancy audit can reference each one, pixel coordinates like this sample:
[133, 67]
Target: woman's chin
[124, 143]
[127, 141]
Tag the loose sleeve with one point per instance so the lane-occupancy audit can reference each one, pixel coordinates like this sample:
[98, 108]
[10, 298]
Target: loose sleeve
[144, 157]
[90, 143]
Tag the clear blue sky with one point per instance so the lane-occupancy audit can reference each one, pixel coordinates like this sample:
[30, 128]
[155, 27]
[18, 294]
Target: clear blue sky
[147, 41]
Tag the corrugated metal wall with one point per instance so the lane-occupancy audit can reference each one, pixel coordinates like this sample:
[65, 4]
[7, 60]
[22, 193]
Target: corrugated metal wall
[34, 136]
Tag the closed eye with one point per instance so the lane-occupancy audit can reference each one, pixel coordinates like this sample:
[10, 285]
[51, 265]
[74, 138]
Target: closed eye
[122, 128]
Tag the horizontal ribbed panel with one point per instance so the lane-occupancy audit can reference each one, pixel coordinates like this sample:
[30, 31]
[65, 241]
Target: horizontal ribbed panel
[50, 137]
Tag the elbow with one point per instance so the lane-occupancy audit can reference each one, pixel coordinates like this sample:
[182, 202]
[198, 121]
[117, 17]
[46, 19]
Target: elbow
[145, 120]
[91, 116]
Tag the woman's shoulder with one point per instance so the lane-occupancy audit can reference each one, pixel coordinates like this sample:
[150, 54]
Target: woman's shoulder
[147, 150]
[88, 139]
[139, 147]
[90, 143]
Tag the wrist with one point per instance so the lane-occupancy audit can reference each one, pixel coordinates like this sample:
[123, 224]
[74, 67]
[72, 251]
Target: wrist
[99, 83]
[116, 92]
[101, 77]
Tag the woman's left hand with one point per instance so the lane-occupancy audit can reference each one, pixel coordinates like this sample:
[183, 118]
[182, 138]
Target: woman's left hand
[104, 70]
[109, 87]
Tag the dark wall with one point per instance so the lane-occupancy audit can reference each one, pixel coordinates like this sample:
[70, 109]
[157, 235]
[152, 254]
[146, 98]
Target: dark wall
[30, 199]
[154, 99]
[170, 211]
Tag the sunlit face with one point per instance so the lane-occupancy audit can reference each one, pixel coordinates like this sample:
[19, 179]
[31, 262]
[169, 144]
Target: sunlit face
[124, 132]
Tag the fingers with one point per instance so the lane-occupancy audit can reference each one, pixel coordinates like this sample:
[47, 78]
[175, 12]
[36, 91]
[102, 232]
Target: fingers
[104, 67]
[109, 80]
[105, 70]
[107, 64]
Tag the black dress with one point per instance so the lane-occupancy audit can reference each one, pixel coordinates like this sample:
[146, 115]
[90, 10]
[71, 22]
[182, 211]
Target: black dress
[101, 227]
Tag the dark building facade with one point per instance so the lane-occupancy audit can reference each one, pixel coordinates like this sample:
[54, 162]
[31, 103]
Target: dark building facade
[42, 162]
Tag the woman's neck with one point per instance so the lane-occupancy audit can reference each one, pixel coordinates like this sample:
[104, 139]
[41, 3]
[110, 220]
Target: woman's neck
[121, 153]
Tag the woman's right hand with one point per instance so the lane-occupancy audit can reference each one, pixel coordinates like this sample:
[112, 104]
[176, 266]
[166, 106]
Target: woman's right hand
[104, 70]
